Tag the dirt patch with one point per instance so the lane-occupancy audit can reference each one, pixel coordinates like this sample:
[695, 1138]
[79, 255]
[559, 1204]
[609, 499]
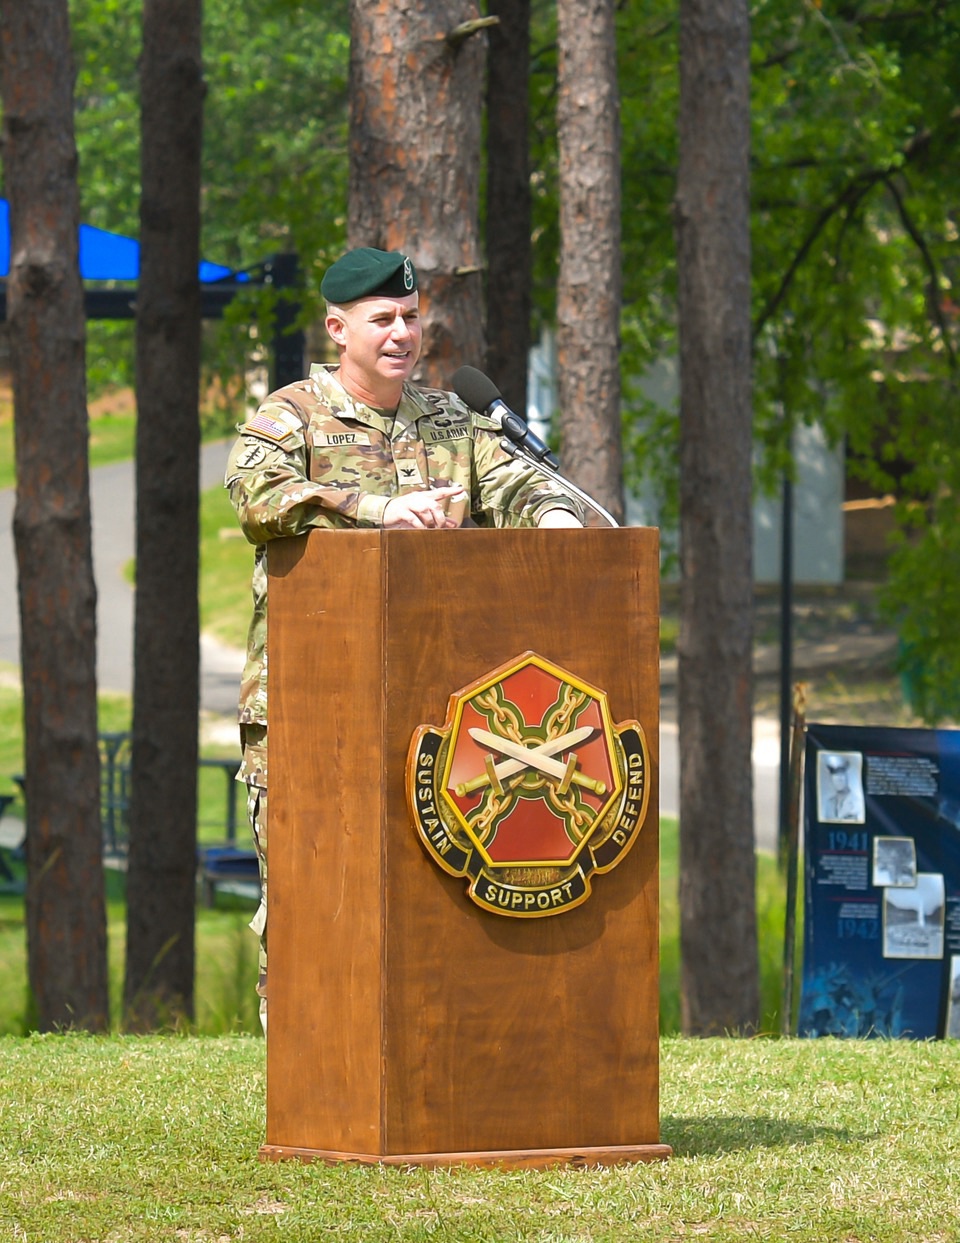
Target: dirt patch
[120, 401]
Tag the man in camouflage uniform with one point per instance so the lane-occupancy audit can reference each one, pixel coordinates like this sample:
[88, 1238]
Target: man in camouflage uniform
[357, 445]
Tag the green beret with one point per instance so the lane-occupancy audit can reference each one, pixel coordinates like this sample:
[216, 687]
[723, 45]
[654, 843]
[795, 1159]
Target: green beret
[365, 271]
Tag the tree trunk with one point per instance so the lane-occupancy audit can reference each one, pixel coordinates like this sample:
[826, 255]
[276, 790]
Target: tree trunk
[66, 920]
[508, 224]
[416, 78]
[718, 934]
[161, 882]
[588, 292]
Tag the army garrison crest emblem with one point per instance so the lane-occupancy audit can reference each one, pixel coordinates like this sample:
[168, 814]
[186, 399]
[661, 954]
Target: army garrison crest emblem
[529, 788]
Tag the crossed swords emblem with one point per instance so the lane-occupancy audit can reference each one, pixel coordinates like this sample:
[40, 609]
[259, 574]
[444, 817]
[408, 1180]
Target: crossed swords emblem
[541, 759]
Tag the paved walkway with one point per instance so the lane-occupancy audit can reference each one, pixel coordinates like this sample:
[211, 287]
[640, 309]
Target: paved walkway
[113, 506]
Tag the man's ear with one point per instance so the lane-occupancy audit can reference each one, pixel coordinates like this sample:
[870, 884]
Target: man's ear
[335, 328]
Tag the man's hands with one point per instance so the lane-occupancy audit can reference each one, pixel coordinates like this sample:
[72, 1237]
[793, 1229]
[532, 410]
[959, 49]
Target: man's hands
[417, 511]
[427, 510]
[558, 518]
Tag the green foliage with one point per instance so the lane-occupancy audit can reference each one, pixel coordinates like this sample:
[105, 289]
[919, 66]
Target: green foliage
[544, 185]
[274, 124]
[111, 361]
[275, 143]
[924, 598]
[852, 225]
[106, 43]
[855, 188]
[852, 218]
[649, 97]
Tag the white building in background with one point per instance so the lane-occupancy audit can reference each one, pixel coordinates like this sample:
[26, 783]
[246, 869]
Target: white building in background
[542, 383]
[818, 489]
[818, 492]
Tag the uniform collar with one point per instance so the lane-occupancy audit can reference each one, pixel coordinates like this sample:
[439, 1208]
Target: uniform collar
[413, 404]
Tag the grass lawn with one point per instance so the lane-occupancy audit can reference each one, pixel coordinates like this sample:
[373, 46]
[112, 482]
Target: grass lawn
[136, 1139]
[226, 564]
[226, 959]
[140, 1139]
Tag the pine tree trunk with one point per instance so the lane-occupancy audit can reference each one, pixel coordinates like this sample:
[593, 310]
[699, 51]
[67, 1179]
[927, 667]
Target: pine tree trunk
[715, 694]
[66, 920]
[415, 87]
[588, 292]
[161, 882]
[508, 222]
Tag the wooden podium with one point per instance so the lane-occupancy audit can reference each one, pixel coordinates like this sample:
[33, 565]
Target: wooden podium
[406, 1024]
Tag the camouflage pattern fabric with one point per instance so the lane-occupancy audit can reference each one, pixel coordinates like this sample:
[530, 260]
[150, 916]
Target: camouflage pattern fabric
[313, 456]
[253, 771]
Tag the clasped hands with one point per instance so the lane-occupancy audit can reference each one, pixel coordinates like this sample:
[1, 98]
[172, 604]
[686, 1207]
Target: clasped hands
[427, 510]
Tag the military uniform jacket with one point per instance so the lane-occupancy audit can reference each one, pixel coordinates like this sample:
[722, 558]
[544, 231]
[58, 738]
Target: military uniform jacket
[312, 456]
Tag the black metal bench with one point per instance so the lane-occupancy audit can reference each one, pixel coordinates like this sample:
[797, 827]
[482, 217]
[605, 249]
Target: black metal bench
[223, 866]
[217, 865]
[8, 881]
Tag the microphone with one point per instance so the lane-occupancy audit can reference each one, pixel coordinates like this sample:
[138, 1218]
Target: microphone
[481, 394]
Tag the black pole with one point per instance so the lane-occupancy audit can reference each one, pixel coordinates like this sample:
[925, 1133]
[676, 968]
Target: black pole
[786, 658]
[282, 271]
[790, 857]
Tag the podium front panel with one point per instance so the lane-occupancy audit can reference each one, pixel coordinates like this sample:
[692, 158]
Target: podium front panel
[402, 1017]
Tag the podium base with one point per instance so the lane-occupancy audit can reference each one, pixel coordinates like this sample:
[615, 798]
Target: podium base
[530, 1159]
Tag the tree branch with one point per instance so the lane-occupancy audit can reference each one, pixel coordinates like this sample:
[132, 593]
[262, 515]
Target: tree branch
[463, 32]
[929, 263]
[849, 197]
[781, 57]
[897, 15]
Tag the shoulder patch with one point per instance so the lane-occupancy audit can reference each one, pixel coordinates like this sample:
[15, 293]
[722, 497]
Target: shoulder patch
[251, 455]
[275, 425]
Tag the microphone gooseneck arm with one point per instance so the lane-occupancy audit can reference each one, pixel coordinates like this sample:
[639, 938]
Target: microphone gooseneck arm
[517, 430]
[480, 393]
[516, 450]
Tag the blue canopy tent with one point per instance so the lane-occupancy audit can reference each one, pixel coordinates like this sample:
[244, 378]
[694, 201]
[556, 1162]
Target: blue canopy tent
[105, 256]
[108, 256]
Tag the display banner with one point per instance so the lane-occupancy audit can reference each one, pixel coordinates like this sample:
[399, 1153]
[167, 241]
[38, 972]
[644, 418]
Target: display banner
[881, 943]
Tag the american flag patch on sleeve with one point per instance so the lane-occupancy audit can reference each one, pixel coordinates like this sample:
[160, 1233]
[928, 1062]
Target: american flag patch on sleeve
[271, 427]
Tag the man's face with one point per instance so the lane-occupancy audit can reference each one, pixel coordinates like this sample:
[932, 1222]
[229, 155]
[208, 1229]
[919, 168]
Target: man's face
[380, 336]
[838, 775]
